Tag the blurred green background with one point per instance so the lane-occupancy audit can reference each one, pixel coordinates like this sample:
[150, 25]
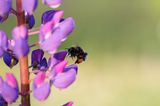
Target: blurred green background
[122, 38]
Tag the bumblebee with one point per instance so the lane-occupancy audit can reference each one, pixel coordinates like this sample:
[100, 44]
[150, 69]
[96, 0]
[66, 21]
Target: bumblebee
[78, 53]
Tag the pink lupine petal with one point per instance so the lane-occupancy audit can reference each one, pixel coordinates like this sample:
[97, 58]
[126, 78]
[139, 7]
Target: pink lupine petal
[39, 79]
[45, 30]
[20, 32]
[11, 80]
[60, 66]
[58, 16]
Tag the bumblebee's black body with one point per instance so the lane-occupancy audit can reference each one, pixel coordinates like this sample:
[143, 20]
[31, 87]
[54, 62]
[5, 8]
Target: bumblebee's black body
[77, 52]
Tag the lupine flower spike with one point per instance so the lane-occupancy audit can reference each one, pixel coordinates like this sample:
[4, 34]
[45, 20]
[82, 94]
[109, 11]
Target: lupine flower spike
[49, 71]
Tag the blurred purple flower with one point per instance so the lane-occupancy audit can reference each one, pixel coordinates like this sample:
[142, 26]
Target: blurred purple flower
[68, 104]
[9, 59]
[2, 101]
[20, 37]
[37, 60]
[52, 36]
[54, 15]
[9, 89]
[6, 50]
[3, 42]
[30, 6]
[5, 7]
[41, 88]
[62, 76]
[52, 3]
[56, 58]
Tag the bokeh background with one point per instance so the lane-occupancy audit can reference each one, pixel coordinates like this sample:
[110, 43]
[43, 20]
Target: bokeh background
[122, 38]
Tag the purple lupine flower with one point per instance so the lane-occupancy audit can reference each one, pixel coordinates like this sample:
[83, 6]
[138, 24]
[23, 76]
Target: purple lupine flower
[37, 60]
[9, 89]
[20, 36]
[70, 103]
[56, 58]
[50, 19]
[57, 68]
[66, 26]
[60, 67]
[54, 15]
[61, 76]
[51, 36]
[41, 88]
[30, 6]
[9, 59]
[65, 79]
[3, 42]
[52, 3]
[37, 56]
[5, 7]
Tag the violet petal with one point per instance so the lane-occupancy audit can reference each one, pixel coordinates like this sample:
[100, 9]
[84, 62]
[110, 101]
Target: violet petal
[37, 56]
[21, 48]
[20, 36]
[66, 27]
[41, 93]
[52, 41]
[65, 79]
[56, 58]
[3, 40]
[52, 15]
[9, 60]
[30, 5]
[20, 32]
[9, 94]
[5, 7]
